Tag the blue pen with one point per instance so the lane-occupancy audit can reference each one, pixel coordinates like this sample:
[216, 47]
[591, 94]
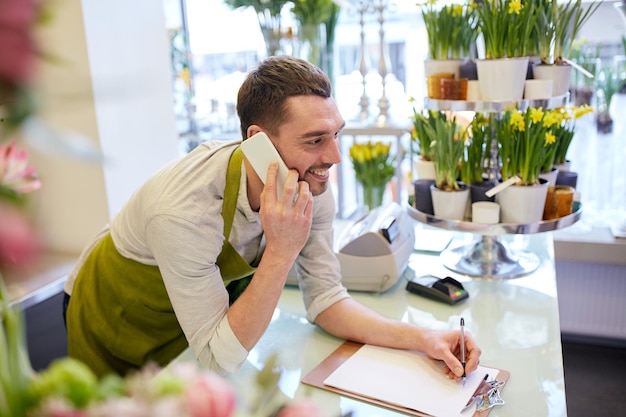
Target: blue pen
[463, 349]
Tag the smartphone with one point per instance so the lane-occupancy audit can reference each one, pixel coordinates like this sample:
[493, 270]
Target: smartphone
[260, 152]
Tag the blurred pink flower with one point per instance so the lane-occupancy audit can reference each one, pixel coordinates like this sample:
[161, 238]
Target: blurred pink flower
[15, 174]
[18, 240]
[210, 396]
[118, 407]
[17, 18]
[301, 408]
[59, 407]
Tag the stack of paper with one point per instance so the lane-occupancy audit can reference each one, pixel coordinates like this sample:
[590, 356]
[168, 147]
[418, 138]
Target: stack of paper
[407, 379]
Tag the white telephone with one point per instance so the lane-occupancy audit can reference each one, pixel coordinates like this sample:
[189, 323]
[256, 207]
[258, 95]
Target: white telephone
[260, 152]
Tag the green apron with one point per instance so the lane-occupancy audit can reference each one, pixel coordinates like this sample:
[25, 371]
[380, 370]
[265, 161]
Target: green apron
[120, 316]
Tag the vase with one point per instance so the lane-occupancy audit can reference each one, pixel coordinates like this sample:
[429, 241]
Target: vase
[478, 190]
[583, 86]
[423, 196]
[450, 205]
[271, 29]
[604, 120]
[502, 79]
[437, 69]
[468, 70]
[569, 178]
[560, 74]
[312, 43]
[559, 201]
[522, 204]
[373, 195]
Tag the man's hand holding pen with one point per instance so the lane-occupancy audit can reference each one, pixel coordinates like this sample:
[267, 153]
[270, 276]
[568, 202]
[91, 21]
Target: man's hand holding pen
[463, 362]
[446, 346]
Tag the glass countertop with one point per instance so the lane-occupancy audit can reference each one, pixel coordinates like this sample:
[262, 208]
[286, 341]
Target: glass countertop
[515, 322]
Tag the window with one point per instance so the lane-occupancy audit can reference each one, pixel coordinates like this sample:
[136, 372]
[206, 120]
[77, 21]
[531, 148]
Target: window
[224, 44]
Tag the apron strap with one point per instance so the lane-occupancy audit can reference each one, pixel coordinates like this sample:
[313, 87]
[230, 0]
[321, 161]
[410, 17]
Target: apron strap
[236, 272]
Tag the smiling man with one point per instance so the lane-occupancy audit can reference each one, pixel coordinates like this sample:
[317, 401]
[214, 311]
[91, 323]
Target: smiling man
[200, 253]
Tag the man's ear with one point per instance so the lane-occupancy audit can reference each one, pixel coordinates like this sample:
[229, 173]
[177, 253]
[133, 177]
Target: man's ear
[253, 130]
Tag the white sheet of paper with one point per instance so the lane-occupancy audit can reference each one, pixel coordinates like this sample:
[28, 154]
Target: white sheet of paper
[407, 379]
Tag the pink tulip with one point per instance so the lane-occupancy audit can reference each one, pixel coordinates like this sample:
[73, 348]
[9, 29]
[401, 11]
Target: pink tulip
[117, 407]
[18, 242]
[59, 407]
[15, 174]
[17, 53]
[301, 408]
[209, 396]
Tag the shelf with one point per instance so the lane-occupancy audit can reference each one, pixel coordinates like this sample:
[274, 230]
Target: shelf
[500, 228]
[489, 257]
[494, 106]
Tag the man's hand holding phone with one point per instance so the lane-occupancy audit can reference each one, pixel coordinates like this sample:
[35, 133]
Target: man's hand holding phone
[286, 203]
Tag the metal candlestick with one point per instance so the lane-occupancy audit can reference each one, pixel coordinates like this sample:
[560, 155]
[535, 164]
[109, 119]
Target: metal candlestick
[383, 102]
[362, 7]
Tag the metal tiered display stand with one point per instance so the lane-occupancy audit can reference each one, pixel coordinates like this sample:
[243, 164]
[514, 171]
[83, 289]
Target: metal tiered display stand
[489, 256]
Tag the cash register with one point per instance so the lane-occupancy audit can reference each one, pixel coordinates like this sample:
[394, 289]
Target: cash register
[374, 250]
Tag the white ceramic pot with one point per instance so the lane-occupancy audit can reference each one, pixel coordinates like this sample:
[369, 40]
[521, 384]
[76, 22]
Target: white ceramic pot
[537, 89]
[434, 66]
[550, 176]
[559, 74]
[425, 169]
[522, 204]
[565, 166]
[502, 79]
[450, 205]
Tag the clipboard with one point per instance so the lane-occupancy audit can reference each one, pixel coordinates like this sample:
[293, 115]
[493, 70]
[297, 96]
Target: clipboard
[318, 375]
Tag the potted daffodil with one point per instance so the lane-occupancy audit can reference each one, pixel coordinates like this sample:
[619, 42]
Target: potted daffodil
[449, 195]
[557, 27]
[524, 138]
[507, 28]
[452, 30]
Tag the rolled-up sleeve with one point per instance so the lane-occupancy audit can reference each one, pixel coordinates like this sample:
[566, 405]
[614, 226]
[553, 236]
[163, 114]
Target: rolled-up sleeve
[319, 272]
[224, 352]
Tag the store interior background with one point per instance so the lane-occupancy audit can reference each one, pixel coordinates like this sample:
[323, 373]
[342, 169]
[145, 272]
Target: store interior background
[112, 101]
[218, 68]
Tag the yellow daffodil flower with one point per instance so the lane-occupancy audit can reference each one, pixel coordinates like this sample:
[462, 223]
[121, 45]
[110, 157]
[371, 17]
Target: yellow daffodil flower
[515, 6]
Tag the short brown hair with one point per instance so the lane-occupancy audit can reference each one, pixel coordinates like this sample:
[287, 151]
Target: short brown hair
[262, 97]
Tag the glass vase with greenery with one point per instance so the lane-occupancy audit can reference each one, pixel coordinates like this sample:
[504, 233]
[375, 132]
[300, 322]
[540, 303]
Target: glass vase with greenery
[312, 16]
[374, 166]
[269, 16]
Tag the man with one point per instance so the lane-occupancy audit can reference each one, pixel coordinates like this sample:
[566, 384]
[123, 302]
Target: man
[168, 272]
